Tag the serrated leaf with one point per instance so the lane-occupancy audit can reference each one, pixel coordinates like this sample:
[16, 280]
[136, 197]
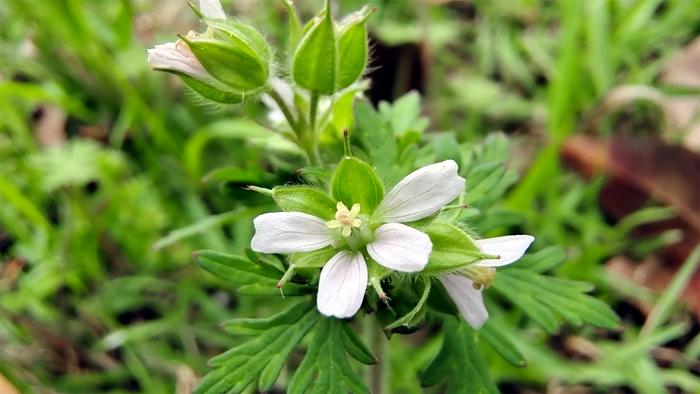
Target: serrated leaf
[355, 347]
[376, 138]
[501, 344]
[354, 181]
[546, 300]
[247, 326]
[326, 368]
[304, 199]
[543, 260]
[263, 356]
[459, 363]
[236, 269]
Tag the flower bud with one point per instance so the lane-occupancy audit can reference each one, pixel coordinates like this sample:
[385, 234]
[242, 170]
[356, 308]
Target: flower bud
[329, 57]
[177, 58]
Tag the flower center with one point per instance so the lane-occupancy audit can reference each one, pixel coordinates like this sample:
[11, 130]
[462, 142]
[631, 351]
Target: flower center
[480, 275]
[345, 219]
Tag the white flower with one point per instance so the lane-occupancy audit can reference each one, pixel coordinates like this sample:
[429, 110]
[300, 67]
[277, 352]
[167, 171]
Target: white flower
[393, 245]
[212, 9]
[177, 56]
[466, 286]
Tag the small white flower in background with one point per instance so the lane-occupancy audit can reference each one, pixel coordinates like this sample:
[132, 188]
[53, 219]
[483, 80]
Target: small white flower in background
[177, 56]
[212, 9]
[393, 245]
[466, 286]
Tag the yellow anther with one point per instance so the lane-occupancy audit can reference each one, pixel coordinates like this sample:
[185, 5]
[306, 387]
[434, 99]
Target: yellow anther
[481, 276]
[345, 219]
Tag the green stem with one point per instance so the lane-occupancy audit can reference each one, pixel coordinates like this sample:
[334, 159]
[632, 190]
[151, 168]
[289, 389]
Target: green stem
[378, 372]
[285, 110]
[313, 108]
[311, 145]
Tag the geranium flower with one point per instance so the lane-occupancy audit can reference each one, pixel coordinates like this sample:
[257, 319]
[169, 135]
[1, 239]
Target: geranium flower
[354, 232]
[465, 287]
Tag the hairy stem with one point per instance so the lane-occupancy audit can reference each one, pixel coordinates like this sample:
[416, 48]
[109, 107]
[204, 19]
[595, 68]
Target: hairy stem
[285, 110]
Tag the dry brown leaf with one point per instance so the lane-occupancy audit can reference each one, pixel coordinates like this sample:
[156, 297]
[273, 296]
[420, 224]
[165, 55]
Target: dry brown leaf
[6, 387]
[640, 170]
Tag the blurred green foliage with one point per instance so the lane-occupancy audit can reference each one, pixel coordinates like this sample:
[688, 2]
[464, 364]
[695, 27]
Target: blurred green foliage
[106, 185]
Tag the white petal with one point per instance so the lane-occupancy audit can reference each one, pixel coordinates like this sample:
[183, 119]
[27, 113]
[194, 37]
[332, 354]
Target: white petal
[469, 301]
[212, 9]
[400, 247]
[509, 248]
[286, 232]
[422, 192]
[176, 56]
[342, 285]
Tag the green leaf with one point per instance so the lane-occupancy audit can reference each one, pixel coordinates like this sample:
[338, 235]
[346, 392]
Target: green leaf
[314, 66]
[352, 49]
[501, 344]
[452, 248]
[376, 138]
[546, 300]
[541, 261]
[304, 199]
[326, 368]
[313, 259]
[447, 147]
[459, 363]
[198, 227]
[236, 269]
[355, 347]
[354, 181]
[263, 356]
[247, 326]
[404, 114]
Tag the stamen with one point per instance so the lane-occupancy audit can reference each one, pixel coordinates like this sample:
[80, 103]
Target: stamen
[345, 219]
[480, 275]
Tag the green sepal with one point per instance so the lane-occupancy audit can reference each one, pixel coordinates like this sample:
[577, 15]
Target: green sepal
[353, 49]
[354, 181]
[304, 199]
[452, 248]
[314, 65]
[243, 33]
[234, 54]
[212, 93]
[313, 259]
[410, 318]
[294, 26]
